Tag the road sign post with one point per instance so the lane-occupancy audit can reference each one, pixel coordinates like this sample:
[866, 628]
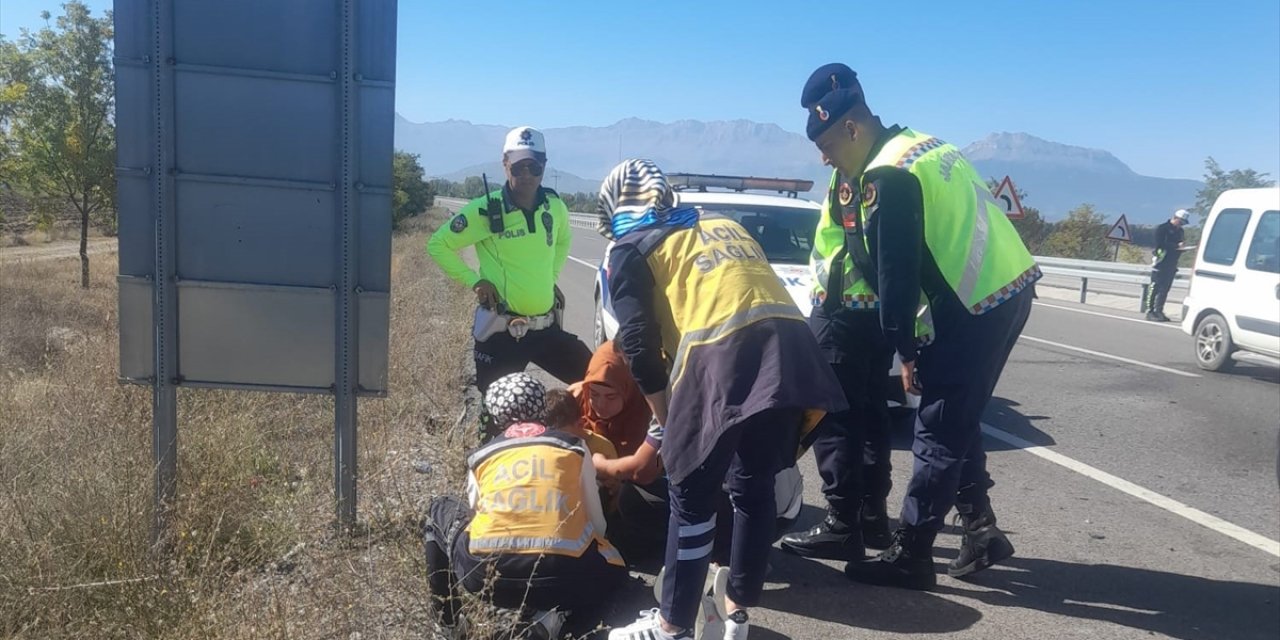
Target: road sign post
[255, 207]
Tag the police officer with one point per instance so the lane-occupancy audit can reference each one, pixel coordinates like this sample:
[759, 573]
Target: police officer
[521, 235]
[1169, 237]
[741, 379]
[927, 223]
[851, 447]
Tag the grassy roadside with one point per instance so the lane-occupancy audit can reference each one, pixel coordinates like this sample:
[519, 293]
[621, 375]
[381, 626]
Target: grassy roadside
[255, 555]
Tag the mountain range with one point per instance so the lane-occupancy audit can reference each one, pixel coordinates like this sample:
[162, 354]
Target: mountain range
[1056, 177]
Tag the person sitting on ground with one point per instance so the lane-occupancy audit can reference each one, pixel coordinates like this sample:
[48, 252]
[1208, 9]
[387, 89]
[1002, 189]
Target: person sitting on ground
[612, 403]
[564, 413]
[536, 538]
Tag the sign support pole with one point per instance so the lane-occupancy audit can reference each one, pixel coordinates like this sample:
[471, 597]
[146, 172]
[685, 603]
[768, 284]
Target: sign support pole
[345, 373]
[164, 391]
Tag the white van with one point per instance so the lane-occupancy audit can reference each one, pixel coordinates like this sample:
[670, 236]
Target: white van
[1234, 302]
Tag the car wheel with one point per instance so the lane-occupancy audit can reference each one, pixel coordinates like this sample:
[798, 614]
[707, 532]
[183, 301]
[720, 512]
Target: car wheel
[600, 336]
[1213, 343]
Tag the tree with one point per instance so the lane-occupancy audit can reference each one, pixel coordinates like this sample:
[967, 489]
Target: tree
[411, 195]
[473, 187]
[1082, 235]
[59, 130]
[1216, 180]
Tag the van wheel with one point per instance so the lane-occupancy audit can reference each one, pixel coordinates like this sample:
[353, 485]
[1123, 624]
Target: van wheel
[1213, 343]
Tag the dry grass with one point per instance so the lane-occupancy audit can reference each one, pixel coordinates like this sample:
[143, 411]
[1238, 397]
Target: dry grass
[255, 555]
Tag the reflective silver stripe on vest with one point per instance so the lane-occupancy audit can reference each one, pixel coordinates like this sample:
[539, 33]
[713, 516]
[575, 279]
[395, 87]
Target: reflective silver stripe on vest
[501, 445]
[527, 543]
[820, 272]
[978, 249]
[731, 324]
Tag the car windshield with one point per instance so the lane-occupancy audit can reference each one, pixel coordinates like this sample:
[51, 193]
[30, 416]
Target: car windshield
[785, 233]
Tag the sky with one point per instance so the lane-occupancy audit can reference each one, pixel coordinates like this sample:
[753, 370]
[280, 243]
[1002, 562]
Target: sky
[1161, 84]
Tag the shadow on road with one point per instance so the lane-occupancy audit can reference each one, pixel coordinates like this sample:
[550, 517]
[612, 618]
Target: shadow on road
[1245, 369]
[1001, 412]
[821, 592]
[1169, 604]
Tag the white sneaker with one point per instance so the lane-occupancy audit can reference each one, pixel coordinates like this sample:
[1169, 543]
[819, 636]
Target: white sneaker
[647, 627]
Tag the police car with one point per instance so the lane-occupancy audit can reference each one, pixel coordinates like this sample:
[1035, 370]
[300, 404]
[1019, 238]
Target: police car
[783, 225]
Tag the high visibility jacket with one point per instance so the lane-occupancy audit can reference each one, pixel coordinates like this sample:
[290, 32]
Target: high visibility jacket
[831, 245]
[977, 249]
[829, 254]
[735, 341]
[523, 261]
[531, 498]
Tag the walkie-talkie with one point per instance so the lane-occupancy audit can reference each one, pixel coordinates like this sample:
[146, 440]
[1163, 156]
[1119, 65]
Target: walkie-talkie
[494, 209]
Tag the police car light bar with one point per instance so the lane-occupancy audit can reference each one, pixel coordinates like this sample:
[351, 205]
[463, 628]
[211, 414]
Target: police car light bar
[700, 182]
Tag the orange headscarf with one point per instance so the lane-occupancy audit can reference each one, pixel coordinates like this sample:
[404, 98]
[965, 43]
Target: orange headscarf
[626, 430]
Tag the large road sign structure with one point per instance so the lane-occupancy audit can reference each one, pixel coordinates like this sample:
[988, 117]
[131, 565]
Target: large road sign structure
[254, 144]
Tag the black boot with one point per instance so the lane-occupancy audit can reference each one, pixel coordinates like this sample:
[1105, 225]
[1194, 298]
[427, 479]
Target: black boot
[831, 539]
[982, 544]
[874, 520]
[907, 563]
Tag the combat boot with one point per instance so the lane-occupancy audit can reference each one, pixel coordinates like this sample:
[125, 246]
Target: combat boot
[874, 520]
[907, 563]
[831, 539]
[982, 544]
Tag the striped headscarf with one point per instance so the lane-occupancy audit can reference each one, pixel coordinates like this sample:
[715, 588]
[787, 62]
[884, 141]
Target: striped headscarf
[635, 195]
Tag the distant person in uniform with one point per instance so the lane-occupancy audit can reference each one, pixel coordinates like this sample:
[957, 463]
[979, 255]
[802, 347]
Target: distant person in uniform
[927, 223]
[1164, 268]
[521, 237]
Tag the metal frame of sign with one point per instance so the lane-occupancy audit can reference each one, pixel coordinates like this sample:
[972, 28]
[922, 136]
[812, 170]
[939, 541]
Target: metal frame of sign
[1008, 191]
[254, 144]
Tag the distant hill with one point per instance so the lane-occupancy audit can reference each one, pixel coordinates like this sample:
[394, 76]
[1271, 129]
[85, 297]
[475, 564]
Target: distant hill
[1057, 177]
[561, 181]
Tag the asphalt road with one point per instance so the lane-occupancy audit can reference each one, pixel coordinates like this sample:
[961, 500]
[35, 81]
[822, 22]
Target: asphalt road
[1141, 493]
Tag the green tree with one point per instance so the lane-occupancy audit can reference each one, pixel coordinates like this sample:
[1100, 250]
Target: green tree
[473, 187]
[60, 138]
[1217, 180]
[411, 195]
[1082, 235]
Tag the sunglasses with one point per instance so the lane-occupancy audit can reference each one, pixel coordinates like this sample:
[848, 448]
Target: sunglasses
[529, 167]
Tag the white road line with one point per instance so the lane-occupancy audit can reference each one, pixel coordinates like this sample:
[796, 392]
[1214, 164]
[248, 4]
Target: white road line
[1197, 516]
[583, 263]
[1163, 325]
[1100, 354]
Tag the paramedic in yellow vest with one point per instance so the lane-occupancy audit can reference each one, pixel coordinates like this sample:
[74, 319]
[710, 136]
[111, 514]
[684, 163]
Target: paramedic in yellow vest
[927, 222]
[851, 448]
[533, 520]
[733, 375]
[521, 238]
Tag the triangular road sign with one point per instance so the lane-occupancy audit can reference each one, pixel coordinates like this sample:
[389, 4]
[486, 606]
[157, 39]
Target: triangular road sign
[1007, 196]
[1120, 231]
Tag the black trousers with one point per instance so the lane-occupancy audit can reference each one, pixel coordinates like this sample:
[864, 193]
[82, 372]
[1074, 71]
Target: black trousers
[1161, 282]
[578, 584]
[958, 374]
[557, 351]
[852, 448]
[748, 456]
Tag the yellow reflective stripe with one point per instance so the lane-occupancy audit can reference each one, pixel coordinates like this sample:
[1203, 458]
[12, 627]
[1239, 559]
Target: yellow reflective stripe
[732, 323]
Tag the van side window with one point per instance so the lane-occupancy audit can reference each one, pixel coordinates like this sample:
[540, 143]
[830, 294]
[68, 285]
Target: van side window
[1225, 237]
[1264, 251]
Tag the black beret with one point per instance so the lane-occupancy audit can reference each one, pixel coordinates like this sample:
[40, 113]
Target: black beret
[829, 93]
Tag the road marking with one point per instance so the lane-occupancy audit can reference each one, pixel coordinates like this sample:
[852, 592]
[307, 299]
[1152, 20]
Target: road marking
[1197, 516]
[1171, 325]
[583, 263]
[1123, 359]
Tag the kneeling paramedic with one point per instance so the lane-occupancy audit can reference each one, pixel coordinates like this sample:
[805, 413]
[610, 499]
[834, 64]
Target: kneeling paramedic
[533, 536]
[521, 236]
[744, 379]
[926, 222]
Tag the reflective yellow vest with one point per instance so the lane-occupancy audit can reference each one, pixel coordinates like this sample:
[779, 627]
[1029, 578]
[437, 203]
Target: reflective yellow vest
[530, 499]
[977, 249]
[828, 248]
